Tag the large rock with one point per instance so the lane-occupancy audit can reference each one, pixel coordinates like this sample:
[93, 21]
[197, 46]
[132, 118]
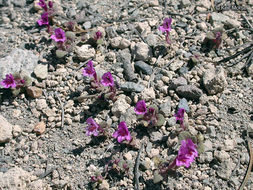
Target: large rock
[40, 71]
[18, 60]
[214, 80]
[17, 178]
[132, 87]
[143, 67]
[120, 106]
[5, 130]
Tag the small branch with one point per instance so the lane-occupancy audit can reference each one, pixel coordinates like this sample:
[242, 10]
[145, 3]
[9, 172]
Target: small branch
[247, 21]
[136, 169]
[249, 167]
[62, 109]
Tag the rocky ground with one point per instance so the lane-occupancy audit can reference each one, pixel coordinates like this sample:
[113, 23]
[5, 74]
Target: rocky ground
[38, 152]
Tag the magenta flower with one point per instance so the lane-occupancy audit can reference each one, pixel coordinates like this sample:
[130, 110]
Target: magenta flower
[122, 133]
[166, 27]
[93, 128]
[59, 35]
[180, 117]
[140, 107]
[9, 81]
[44, 19]
[187, 153]
[98, 35]
[50, 4]
[217, 39]
[89, 70]
[107, 79]
[43, 5]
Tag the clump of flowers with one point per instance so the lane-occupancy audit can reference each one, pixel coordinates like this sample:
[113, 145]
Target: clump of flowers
[118, 165]
[106, 84]
[17, 82]
[149, 116]
[93, 128]
[180, 117]
[166, 27]
[47, 15]
[122, 133]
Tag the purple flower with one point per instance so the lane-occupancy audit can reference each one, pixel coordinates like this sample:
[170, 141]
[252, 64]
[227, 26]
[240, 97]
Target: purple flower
[166, 27]
[98, 35]
[187, 153]
[89, 69]
[43, 5]
[93, 128]
[44, 19]
[59, 35]
[140, 107]
[107, 79]
[217, 39]
[9, 81]
[180, 117]
[122, 133]
[50, 4]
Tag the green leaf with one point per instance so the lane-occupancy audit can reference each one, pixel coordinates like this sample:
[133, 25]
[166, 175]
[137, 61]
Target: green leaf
[200, 138]
[157, 177]
[184, 135]
[28, 81]
[15, 91]
[100, 41]
[60, 53]
[154, 106]
[70, 35]
[160, 120]
[201, 148]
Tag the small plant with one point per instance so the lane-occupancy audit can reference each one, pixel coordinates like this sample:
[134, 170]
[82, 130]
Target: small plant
[93, 128]
[105, 85]
[16, 82]
[118, 165]
[149, 116]
[213, 40]
[166, 27]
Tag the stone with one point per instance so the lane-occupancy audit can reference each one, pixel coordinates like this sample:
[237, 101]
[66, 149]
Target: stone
[229, 144]
[40, 128]
[16, 61]
[211, 131]
[175, 65]
[208, 145]
[17, 178]
[189, 92]
[218, 18]
[202, 26]
[104, 185]
[85, 52]
[40, 71]
[172, 121]
[143, 28]
[125, 57]
[185, 3]
[225, 170]
[183, 104]
[250, 68]
[205, 157]
[148, 94]
[165, 108]
[132, 87]
[129, 117]
[16, 130]
[143, 67]
[124, 43]
[214, 80]
[128, 156]
[41, 104]
[5, 130]
[120, 106]
[19, 3]
[142, 52]
[180, 81]
[153, 3]
[205, 3]
[222, 156]
[115, 42]
[151, 39]
[156, 136]
[232, 23]
[34, 91]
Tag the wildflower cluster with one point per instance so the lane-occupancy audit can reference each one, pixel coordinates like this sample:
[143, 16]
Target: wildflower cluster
[16, 82]
[47, 15]
[150, 116]
[166, 27]
[100, 84]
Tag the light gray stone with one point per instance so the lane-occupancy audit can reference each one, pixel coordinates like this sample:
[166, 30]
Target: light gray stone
[142, 52]
[85, 52]
[18, 60]
[183, 104]
[218, 18]
[165, 108]
[132, 87]
[40, 71]
[214, 80]
[5, 130]
[120, 106]
[180, 81]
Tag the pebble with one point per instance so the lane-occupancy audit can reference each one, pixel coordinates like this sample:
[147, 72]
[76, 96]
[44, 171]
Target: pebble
[180, 81]
[16, 130]
[41, 71]
[128, 156]
[143, 67]
[221, 155]
[40, 128]
[165, 108]
[41, 104]
[183, 104]
[229, 144]
[85, 52]
[132, 87]
[120, 106]
[142, 52]
[189, 92]
[34, 91]
[5, 130]
[148, 94]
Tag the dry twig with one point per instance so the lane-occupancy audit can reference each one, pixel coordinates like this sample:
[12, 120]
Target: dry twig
[136, 169]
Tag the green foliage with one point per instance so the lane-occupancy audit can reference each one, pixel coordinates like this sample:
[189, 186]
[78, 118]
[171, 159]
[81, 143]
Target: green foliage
[60, 53]
[201, 148]
[15, 91]
[70, 35]
[160, 120]
[157, 177]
